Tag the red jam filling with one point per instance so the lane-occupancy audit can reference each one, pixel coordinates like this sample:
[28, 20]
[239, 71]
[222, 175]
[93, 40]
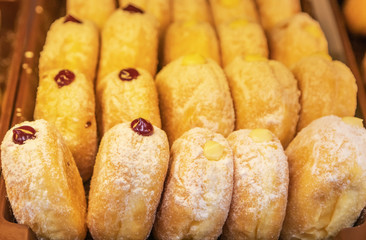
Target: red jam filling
[64, 78]
[132, 9]
[22, 134]
[70, 18]
[142, 127]
[128, 74]
[87, 124]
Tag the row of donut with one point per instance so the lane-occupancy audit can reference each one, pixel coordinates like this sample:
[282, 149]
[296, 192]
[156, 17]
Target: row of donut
[242, 187]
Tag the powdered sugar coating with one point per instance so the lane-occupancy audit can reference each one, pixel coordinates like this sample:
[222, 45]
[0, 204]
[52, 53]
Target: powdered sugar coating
[327, 162]
[260, 188]
[43, 184]
[127, 183]
[198, 191]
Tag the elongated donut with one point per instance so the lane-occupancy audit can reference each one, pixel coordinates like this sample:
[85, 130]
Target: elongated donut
[193, 92]
[42, 181]
[94, 10]
[126, 95]
[261, 180]
[198, 189]
[129, 39]
[327, 191]
[128, 180]
[66, 99]
[72, 44]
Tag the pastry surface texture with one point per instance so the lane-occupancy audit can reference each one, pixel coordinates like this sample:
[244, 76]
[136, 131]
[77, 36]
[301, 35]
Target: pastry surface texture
[43, 184]
[198, 191]
[186, 10]
[327, 191]
[261, 179]
[127, 183]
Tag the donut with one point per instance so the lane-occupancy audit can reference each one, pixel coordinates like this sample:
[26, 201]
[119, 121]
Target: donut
[193, 92]
[190, 37]
[198, 188]
[126, 95]
[265, 95]
[228, 10]
[240, 38]
[186, 10]
[66, 99]
[261, 180]
[43, 184]
[295, 38]
[327, 87]
[72, 44]
[93, 10]
[129, 39]
[354, 12]
[327, 166]
[273, 12]
[128, 180]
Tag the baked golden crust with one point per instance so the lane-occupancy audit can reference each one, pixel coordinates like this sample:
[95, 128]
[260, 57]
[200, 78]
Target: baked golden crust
[228, 10]
[129, 40]
[93, 10]
[197, 193]
[71, 109]
[186, 10]
[259, 199]
[240, 38]
[43, 184]
[190, 37]
[160, 9]
[127, 183]
[194, 95]
[295, 38]
[327, 191]
[355, 15]
[272, 12]
[123, 101]
[71, 45]
[265, 95]
[327, 87]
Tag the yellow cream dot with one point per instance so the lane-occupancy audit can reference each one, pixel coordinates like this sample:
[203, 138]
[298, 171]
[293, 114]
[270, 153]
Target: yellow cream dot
[313, 30]
[189, 23]
[229, 3]
[213, 150]
[193, 59]
[358, 122]
[254, 58]
[260, 135]
[238, 23]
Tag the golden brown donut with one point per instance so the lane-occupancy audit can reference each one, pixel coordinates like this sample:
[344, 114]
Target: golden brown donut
[190, 37]
[71, 45]
[126, 95]
[272, 12]
[70, 106]
[295, 38]
[94, 10]
[193, 92]
[327, 87]
[127, 182]
[240, 38]
[355, 15]
[259, 200]
[228, 10]
[42, 181]
[129, 39]
[265, 95]
[186, 10]
[327, 191]
[198, 189]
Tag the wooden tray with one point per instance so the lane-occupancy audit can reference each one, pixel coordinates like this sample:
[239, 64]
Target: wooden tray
[35, 17]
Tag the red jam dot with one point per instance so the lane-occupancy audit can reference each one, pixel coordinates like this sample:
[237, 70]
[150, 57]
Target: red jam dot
[132, 9]
[128, 74]
[87, 124]
[70, 18]
[64, 77]
[142, 127]
[22, 134]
